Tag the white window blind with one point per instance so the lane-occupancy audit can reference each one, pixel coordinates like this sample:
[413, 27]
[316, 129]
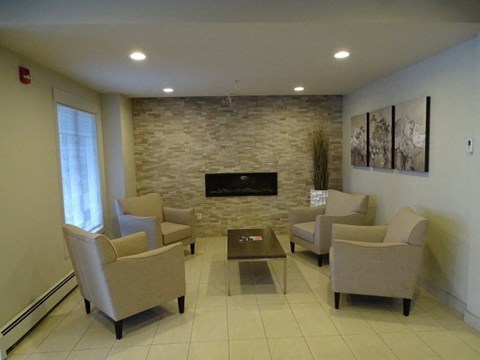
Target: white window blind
[82, 199]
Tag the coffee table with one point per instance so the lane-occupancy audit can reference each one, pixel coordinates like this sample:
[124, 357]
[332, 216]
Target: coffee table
[269, 248]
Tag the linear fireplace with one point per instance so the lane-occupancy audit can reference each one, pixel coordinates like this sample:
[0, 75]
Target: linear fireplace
[241, 184]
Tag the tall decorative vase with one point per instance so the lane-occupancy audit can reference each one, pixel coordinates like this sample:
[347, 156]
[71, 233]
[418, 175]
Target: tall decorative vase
[318, 197]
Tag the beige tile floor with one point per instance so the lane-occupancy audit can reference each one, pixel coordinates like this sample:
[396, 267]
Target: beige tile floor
[258, 321]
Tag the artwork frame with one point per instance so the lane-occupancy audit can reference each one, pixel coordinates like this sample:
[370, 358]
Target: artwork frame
[359, 140]
[381, 137]
[412, 135]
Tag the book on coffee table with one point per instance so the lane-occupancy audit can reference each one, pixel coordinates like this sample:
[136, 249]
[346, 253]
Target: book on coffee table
[251, 238]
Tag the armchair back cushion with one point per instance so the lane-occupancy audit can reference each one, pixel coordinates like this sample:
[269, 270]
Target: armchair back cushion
[407, 227]
[340, 203]
[144, 205]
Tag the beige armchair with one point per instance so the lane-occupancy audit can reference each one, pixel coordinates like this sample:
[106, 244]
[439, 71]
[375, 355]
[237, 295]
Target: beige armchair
[310, 227]
[163, 225]
[379, 260]
[121, 277]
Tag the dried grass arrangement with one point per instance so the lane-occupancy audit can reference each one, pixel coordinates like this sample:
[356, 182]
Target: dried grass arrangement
[319, 147]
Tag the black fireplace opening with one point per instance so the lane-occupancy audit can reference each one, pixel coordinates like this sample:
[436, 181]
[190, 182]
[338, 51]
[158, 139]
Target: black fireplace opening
[241, 184]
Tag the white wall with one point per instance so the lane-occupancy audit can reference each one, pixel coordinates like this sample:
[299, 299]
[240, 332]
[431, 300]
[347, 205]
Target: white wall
[32, 256]
[448, 193]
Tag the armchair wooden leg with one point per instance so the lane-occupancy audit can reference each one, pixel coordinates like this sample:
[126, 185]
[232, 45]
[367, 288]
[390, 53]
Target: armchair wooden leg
[406, 306]
[192, 248]
[87, 306]
[118, 329]
[320, 260]
[181, 304]
[337, 300]
[292, 247]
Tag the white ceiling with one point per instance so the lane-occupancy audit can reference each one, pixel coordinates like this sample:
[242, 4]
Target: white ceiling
[237, 47]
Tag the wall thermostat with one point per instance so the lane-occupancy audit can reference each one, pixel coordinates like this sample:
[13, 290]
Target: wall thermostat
[469, 145]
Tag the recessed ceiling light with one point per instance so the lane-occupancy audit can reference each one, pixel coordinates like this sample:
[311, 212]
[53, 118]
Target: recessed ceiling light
[137, 56]
[299, 88]
[168, 90]
[342, 54]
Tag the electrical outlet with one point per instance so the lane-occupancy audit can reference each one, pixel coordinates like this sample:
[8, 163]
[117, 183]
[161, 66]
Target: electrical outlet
[199, 216]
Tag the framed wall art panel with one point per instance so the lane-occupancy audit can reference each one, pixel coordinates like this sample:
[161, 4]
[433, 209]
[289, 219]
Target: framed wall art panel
[380, 138]
[359, 140]
[412, 132]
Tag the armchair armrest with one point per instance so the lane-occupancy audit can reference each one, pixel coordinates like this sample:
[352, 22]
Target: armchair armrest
[374, 268]
[305, 214]
[130, 224]
[359, 233]
[179, 216]
[131, 244]
[148, 278]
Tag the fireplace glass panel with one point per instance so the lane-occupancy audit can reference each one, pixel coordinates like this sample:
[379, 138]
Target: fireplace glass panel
[241, 184]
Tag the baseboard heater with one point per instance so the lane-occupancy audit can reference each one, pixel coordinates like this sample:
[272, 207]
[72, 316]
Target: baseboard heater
[16, 328]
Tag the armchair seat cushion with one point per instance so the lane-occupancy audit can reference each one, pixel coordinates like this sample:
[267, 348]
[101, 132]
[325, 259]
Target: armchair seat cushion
[174, 232]
[305, 231]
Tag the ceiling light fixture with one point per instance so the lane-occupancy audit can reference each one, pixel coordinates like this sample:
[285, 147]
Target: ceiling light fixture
[298, 88]
[168, 90]
[342, 54]
[138, 56]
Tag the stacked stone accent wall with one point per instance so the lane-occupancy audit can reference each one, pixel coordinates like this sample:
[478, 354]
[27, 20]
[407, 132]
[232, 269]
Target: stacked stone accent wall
[178, 140]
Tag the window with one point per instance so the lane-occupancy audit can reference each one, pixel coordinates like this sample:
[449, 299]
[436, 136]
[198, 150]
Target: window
[82, 200]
